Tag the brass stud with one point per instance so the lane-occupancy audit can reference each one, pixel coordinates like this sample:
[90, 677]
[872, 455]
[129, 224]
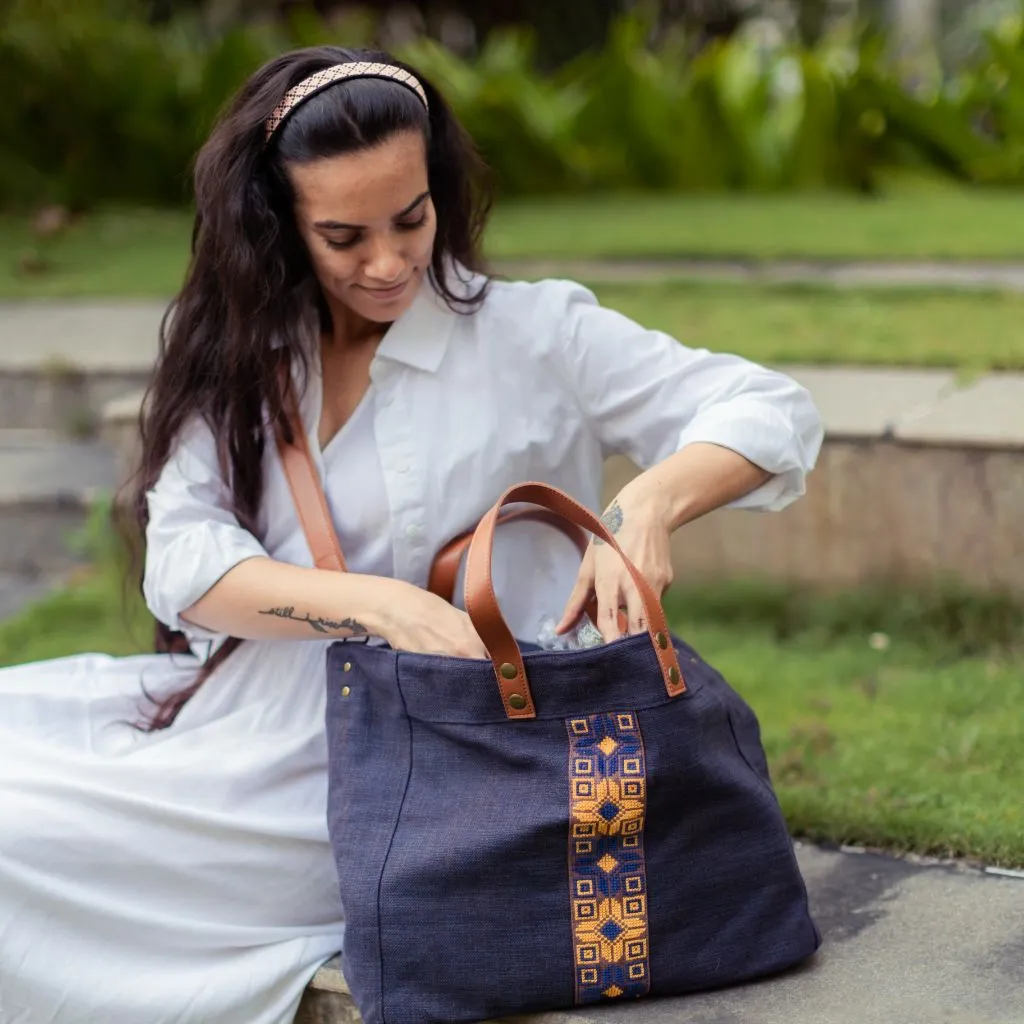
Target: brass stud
[347, 667]
[345, 691]
[673, 675]
[509, 671]
[517, 701]
[662, 640]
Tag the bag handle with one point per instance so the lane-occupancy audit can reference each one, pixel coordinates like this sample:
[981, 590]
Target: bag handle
[445, 570]
[482, 605]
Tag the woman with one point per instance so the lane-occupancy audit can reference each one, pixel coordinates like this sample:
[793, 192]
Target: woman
[181, 872]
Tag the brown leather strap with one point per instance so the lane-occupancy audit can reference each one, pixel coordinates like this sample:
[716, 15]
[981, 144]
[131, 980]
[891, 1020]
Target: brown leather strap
[445, 571]
[307, 492]
[487, 619]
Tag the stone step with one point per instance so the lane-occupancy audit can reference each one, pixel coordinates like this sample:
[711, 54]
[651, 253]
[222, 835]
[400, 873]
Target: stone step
[48, 486]
[920, 477]
[904, 943]
[61, 362]
[19, 589]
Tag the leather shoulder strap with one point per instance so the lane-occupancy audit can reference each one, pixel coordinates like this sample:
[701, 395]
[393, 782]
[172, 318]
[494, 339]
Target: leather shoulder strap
[307, 492]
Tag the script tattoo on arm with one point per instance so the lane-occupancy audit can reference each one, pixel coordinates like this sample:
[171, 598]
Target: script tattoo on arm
[612, 518]
[319, 624]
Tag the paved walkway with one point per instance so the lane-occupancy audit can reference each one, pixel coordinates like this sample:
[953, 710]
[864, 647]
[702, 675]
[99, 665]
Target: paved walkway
[975, 276]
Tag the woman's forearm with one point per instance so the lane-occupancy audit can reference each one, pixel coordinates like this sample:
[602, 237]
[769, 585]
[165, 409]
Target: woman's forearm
[261, 599]
[694, 481]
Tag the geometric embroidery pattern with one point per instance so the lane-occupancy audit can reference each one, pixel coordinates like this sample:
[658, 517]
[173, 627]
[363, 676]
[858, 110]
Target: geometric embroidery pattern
[607, 804]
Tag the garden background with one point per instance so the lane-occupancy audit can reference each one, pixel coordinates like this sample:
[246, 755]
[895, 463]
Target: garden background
[674, 155]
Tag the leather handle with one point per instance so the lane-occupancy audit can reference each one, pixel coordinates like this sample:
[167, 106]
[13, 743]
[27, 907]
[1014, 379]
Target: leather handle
[482, 605]
[307, 493]
[444, 572]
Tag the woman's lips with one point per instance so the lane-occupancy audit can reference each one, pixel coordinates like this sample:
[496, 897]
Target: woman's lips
[385, 294]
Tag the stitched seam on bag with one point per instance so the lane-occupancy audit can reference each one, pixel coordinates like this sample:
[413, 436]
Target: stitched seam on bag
[739, 749]
[643, 836]
[391, 843]
[775, 800]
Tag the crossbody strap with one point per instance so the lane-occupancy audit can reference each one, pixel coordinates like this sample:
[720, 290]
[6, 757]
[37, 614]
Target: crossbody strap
[307, 492]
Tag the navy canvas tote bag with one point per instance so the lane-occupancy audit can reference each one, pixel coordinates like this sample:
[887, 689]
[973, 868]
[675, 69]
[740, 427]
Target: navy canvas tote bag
[551, 828]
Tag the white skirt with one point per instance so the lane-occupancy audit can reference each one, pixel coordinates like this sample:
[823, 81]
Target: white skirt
[181, 876]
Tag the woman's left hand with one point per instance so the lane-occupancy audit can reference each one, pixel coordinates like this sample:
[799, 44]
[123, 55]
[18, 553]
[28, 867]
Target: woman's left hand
[642, 531]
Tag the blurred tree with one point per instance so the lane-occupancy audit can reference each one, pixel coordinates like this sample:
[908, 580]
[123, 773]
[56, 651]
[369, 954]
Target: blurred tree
[811, 19]
[703, 20]
[564, 28]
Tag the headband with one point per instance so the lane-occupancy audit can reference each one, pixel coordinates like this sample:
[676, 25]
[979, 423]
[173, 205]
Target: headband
[298, 94]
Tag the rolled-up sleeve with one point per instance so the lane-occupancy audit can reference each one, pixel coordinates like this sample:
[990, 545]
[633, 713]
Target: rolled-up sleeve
[193, 538]
[645, 395]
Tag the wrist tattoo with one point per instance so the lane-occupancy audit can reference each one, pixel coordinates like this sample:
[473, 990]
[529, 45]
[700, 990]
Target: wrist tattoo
[321, 625]
[612, 518]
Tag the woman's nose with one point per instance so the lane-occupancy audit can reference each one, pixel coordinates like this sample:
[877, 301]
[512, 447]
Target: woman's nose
[385, 263]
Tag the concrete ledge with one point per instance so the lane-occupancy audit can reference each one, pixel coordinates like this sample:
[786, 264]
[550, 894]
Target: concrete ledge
[960, 275]
[62, 397]
[918, 478]
[874, 511]
[988, 413]
[869, 403]
[61, 362]
[97, 337]
[47, 488]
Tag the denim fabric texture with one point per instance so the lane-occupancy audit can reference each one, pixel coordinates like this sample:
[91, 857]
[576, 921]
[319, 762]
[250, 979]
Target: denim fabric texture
[461, 838]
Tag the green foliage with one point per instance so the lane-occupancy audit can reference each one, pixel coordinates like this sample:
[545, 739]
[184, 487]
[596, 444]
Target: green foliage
[103, 106]
[523, 124]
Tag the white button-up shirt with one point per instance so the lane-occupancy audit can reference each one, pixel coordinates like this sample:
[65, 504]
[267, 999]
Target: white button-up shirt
[540, 383]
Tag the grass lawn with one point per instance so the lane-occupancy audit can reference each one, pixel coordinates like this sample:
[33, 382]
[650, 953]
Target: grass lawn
[913, 743]
[794, 324]
[938, 223]
[143, 253]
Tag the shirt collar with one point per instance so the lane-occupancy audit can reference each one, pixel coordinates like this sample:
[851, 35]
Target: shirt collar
[419, 337]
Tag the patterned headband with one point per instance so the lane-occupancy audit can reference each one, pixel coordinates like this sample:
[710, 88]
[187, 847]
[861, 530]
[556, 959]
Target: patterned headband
[308, 87]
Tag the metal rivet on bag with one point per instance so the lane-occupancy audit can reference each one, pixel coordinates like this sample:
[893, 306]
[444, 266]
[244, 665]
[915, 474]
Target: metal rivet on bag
[347, 667]
[517, 701]
[673, 675]
[662, 641]
[345, 691]
[509, 671]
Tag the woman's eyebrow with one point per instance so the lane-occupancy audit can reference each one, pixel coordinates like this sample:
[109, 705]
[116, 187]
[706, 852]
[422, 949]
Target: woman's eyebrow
[336, 225]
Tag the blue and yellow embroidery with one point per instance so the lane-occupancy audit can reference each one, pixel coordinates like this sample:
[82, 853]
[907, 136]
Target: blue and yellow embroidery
[607, 803]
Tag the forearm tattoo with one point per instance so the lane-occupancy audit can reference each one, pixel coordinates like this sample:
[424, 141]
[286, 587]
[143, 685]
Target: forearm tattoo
[612, 518]
[321, 625]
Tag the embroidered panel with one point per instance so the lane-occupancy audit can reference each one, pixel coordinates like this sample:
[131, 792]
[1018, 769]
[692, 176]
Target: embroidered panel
[608, 801]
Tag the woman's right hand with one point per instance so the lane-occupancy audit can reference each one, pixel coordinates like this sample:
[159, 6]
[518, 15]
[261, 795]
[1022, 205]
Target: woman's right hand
[418, 621]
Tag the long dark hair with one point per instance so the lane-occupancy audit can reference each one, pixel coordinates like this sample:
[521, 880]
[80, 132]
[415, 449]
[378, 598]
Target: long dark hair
[250, 299]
